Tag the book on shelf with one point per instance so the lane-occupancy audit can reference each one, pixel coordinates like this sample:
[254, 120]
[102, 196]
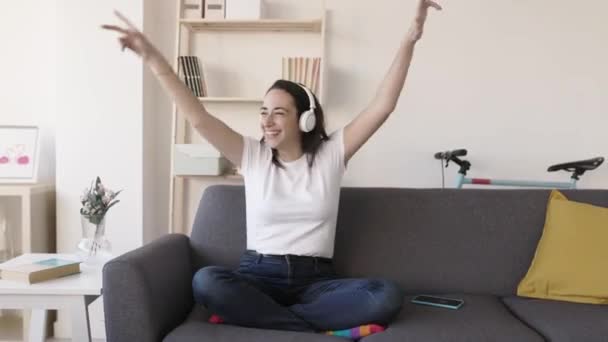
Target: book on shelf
[34, 271]
[192, 75]
[304, 70]
[185, 73]
[198, 75]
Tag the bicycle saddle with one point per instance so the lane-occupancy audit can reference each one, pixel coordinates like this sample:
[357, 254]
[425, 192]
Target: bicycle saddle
[583, 165]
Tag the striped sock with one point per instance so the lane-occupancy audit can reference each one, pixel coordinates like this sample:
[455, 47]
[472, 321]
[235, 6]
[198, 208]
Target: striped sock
[215, 319]
[357, 332]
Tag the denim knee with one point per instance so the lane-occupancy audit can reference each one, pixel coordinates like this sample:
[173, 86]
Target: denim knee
[206, 283]
[388, 300]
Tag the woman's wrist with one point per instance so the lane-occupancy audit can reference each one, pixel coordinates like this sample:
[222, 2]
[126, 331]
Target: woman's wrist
[158, 64]
[410, 40]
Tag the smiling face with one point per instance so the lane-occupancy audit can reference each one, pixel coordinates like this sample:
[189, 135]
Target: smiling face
[279, 121]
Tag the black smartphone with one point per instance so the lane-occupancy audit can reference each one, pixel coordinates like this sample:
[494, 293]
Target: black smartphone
[442, 302]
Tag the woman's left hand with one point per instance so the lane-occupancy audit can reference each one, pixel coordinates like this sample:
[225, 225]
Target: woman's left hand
[417, 27]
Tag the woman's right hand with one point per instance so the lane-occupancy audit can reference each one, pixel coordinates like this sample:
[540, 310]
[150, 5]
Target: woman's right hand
[133, 39]
[216, 132]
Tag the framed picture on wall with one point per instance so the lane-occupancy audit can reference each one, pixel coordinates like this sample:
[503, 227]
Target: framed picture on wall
[19, 154]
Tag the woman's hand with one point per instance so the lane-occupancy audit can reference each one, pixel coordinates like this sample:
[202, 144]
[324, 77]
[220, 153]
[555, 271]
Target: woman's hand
[133, 39]
[417, 27]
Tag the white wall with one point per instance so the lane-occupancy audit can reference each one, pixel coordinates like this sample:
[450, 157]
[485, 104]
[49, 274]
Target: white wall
[99, 126]
[27, 86]
[522, 85]
[99, 119]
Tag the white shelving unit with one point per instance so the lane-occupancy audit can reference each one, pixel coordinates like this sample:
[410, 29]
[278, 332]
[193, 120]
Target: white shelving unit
[223, 30]
[277, 25]
[231, 100]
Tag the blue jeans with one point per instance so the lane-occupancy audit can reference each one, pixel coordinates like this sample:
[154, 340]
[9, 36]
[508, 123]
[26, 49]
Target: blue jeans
[298, 293]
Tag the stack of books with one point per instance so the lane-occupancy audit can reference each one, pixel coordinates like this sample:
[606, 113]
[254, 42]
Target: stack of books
[192, 75]
[304, 70]
[34, 271]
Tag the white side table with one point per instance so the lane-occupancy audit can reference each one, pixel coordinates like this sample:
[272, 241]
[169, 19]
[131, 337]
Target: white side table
[71, 293]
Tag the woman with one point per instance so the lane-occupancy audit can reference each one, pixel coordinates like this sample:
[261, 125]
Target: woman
[292, 176]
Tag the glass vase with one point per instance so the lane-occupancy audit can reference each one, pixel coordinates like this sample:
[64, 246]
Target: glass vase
[94, 247]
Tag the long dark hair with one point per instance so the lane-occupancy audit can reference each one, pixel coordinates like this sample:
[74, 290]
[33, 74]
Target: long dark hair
[312, 140]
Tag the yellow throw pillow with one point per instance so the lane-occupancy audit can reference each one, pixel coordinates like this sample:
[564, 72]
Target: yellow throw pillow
[571, 259]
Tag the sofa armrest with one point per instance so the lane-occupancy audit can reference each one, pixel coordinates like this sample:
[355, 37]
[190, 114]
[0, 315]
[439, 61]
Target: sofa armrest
[147, 292]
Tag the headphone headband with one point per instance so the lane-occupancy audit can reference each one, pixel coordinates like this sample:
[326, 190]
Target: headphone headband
[308, 118]
[311, 98]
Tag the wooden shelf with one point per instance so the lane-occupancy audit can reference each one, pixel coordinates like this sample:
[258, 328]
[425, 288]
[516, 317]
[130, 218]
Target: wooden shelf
[230, 99]
[226, 176]
[194, 30]
[311, 25]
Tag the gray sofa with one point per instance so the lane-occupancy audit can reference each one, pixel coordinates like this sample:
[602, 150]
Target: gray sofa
[473, 244]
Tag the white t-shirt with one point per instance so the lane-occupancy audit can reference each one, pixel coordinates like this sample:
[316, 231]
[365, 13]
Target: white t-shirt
[293, 210]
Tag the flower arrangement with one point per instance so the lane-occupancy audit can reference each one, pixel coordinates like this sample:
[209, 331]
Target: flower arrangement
[96, 201]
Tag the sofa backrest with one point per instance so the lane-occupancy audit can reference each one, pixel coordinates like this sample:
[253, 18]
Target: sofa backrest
[428, 240]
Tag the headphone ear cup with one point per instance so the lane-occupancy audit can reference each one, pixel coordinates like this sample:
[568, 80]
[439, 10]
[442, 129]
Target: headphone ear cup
[307, 121]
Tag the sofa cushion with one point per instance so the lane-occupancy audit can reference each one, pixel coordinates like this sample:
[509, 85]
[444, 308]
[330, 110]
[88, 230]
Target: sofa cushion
[481, 318]
[571, 254]
[196, 329]
[560, 321]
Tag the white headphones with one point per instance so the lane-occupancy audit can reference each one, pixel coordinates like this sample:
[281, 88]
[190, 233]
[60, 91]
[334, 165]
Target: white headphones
[308, 118]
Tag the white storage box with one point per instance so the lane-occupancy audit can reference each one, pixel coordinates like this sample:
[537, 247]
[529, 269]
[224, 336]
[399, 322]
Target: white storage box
[244, 9]
[199, 160]
[215, 9]
[193, 9]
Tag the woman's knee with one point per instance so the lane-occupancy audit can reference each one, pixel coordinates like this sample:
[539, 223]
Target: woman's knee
[207, 282]
[388, 299]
